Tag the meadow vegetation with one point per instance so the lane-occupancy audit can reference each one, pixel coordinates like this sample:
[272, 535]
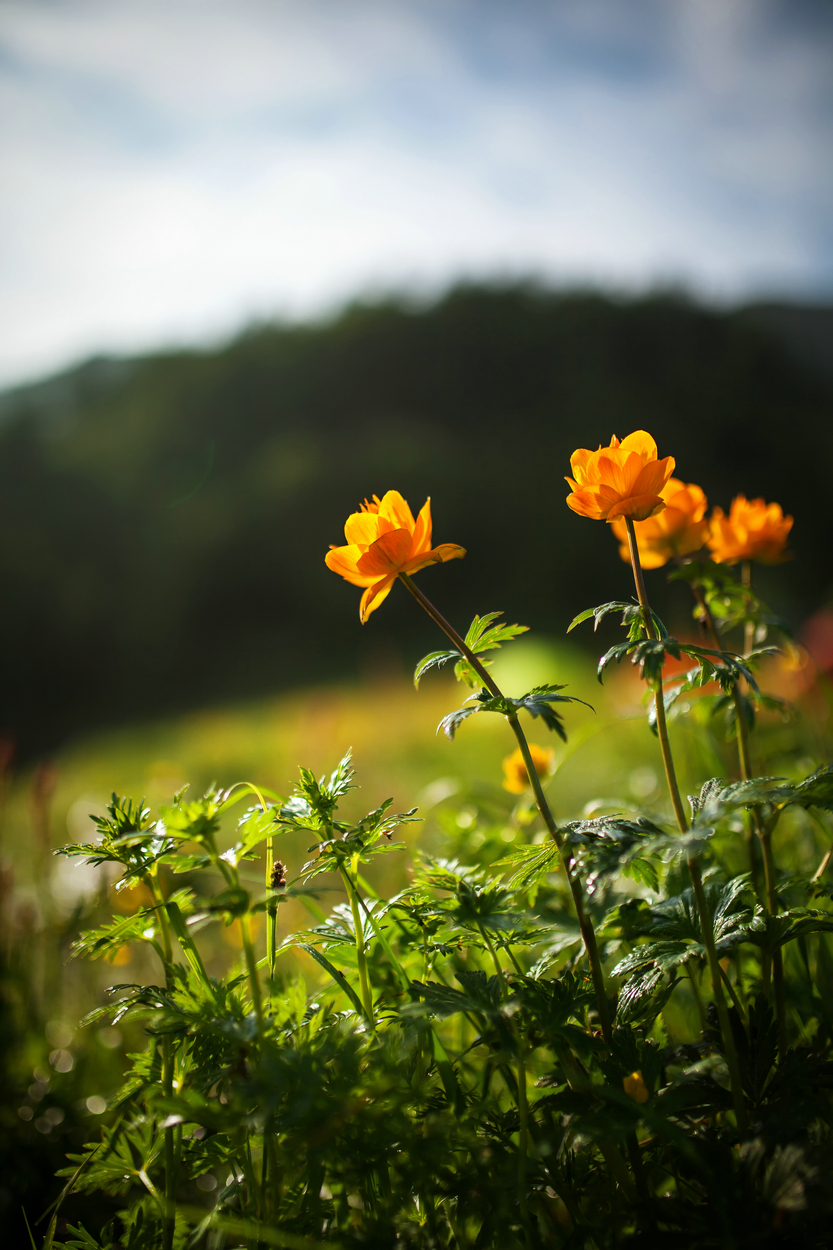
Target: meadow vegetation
[493, 990]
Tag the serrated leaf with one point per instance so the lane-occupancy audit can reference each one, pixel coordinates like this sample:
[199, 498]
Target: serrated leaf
[452, 722]
[531, 864]
[435, 660]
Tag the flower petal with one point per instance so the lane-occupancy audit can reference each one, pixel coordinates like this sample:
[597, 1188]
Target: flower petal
[578, 463]
[642, 443]
[363, 528]
[593, 501]
[439, 555]
[637, 507]
[374, 596]
[422, 529]
[653, 477]
[393, 508]
[344, 560]
[386, 555]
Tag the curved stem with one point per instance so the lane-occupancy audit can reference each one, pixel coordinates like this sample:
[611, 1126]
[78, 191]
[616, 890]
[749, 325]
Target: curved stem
[171, 1169]
[770, 958]
[270, 866]
[749, 627]
[695, 989]
[251, 968]
[706, 922]
[659, 701]
[588, 933]
[169, 1219]
[358, 929]
[735, 1000]
[523, 1135]
[744, 754]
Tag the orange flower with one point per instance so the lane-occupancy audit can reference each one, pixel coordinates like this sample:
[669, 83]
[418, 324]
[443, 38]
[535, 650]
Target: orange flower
[624, 479]
[677, 531]
[635, 1087]
[384, 540]
[516, 778]
[753, 530]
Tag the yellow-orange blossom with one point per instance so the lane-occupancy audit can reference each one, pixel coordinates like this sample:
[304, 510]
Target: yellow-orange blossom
[515, 775]
[753, 530]
[384, 540]
[677, 531]
[622, 480]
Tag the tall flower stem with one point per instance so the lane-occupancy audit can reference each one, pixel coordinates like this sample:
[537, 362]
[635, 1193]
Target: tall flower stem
[588, 933]
[171, 1168]
[753, 824]
[271, 913]
[358, 927]
[771, 958]
[706, 923]
[251, 969]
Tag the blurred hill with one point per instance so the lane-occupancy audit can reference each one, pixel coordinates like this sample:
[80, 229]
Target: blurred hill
[164, 519]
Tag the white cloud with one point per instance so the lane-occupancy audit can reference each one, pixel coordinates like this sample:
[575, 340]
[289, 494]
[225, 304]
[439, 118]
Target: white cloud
[174, 169]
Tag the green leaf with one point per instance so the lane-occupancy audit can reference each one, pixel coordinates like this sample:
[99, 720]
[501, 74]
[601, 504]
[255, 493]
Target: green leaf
[110, 938]
[435, 660]
[531, 864]
[338, 977]
[537, 702]
[452, 722]
[187, 943]
[484, 636]
[630, 611]
[786, 926]
[480, 994]
[608, 845]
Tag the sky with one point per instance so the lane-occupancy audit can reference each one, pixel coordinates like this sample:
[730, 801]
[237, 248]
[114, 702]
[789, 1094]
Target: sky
[174, 170]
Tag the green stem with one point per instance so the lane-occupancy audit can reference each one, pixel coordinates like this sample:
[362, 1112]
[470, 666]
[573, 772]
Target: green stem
[733, 996]
[588, 933]
[744, 753]
[169, 1220]
[774, 953]
[171, 1169]
[706, 921]
[251, 968]
[771, 959]
[697, 995]
[523, 1109]
[272, 914]
[523, 1135]
[358, 928]
[500, 976]
[749, 627]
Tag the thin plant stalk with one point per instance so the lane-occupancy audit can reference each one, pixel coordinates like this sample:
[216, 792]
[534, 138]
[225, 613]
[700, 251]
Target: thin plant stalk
[171, 1169]
[698, 998]
[588, 933]
[771, 958]
[771, 954]
[749, 627]
[523, 1110]
[704, 913]
[358, 928]
[272, 914]
[732, 994]
[744, 754]
[251, 968]
[523, 1134]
